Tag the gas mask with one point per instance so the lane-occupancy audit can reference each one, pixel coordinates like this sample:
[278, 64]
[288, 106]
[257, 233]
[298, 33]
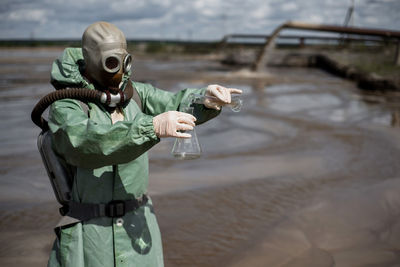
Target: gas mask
[105, 55]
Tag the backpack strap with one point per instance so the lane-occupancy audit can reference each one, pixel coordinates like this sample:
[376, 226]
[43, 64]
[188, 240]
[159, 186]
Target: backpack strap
[84, 106]
[135, 95]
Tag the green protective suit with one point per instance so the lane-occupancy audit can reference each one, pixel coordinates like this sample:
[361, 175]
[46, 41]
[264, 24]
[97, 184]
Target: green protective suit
[111, 164]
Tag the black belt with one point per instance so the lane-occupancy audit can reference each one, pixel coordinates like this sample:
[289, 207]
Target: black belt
[112, 209]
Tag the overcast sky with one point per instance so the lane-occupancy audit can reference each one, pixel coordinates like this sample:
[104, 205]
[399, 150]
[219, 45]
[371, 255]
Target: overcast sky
[178, 19]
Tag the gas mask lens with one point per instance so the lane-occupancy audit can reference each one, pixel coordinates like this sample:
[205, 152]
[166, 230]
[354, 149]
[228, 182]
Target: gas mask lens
[112, 64]
[127, 63]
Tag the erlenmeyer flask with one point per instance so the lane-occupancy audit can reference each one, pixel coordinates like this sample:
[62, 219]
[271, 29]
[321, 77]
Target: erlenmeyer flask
[187, 148]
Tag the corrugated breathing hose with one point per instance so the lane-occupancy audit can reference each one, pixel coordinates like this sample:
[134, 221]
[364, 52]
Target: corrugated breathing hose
[82, 94]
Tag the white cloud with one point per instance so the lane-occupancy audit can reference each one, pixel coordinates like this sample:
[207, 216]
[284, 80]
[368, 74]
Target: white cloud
[290, 6]
[203, 19]
[261, 12]
[34, 15]
[315, 18]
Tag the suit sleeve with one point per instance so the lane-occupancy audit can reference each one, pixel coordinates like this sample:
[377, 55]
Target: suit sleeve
[156, 101]
[88, 144]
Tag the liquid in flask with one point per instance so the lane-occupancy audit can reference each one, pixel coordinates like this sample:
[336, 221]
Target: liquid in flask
[187, 148]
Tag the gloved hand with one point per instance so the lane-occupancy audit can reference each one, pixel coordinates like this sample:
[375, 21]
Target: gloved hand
[222, 95]
[168, 124]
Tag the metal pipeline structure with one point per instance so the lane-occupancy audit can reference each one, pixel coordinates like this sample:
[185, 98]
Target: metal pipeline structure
[262, 38]
[262, 58]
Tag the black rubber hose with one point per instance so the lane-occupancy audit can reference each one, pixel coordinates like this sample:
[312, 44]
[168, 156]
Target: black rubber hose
[82, 94]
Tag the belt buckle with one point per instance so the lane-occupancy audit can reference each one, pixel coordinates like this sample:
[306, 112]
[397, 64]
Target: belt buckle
[115, 208]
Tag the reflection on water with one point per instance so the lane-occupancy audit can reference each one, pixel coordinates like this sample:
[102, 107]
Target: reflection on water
[333, 103]
[289, 88]
[303, 137]
[300, 102]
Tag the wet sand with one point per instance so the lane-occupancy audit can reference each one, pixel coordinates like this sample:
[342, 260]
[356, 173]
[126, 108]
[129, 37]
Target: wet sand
[307, 174]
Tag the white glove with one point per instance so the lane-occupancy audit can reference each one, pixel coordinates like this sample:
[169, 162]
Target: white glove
[222, 94]
[168, 124]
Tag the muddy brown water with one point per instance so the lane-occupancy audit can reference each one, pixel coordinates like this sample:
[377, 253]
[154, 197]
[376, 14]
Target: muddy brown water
[307, 174]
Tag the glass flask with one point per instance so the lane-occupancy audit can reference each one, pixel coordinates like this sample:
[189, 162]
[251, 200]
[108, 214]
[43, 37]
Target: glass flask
[235, 105]
[187, 148]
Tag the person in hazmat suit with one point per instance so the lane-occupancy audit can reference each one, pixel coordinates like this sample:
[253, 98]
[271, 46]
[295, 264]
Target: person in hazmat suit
[110, 221]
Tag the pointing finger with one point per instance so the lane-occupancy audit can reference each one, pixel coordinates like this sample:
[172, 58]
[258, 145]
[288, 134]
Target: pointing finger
[235, 91]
